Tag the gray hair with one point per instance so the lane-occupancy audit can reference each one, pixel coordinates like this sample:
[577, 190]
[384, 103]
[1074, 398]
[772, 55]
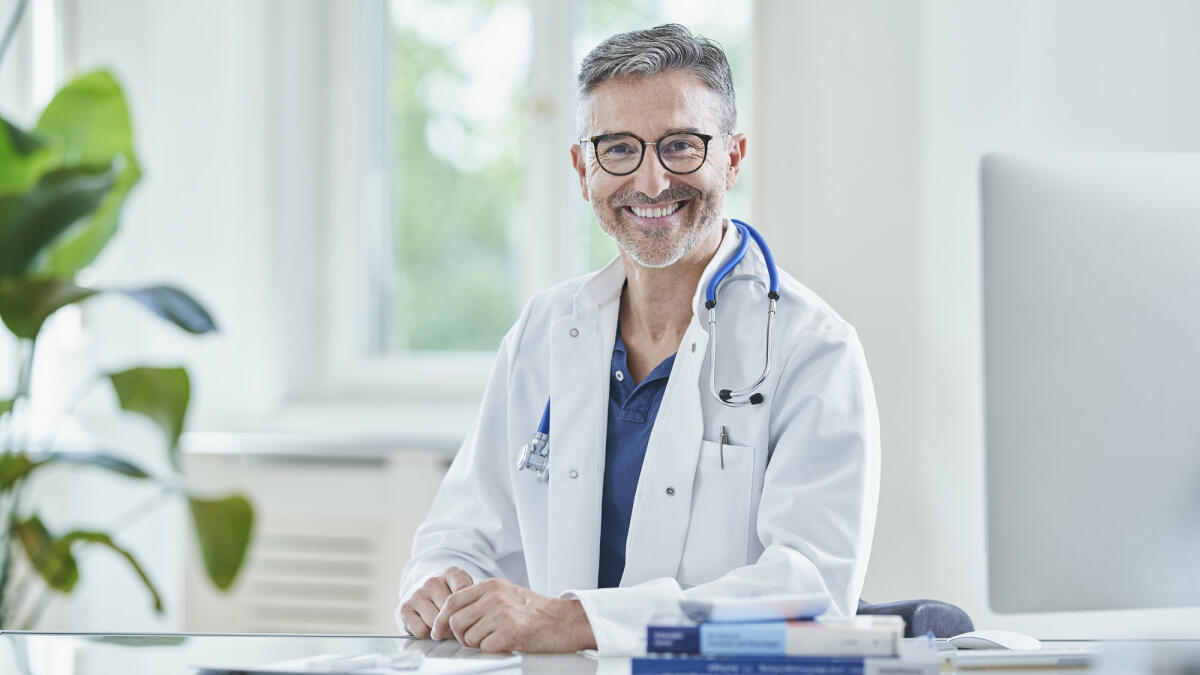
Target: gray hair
[670, 47]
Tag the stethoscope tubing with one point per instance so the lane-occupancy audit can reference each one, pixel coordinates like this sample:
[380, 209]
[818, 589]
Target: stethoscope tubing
[536, 453]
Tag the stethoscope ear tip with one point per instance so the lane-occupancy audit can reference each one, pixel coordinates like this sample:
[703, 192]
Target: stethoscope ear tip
[756, 398]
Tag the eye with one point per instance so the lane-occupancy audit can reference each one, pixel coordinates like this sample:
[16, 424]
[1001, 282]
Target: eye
[617, 149]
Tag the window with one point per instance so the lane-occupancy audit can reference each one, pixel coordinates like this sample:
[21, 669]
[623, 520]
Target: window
[471, 207]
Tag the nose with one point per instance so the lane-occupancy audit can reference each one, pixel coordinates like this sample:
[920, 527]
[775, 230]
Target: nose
[651, 178]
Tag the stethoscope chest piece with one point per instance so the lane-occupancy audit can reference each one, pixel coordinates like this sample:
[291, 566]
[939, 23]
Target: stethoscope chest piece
[536, 455]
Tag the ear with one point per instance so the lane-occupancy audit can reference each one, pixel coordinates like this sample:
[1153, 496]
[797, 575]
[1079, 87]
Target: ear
[737, 152]
[580, 164]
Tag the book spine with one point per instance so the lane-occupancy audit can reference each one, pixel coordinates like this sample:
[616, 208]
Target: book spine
[700, 665]
[769, 640]
[835, 642]
[673, 639]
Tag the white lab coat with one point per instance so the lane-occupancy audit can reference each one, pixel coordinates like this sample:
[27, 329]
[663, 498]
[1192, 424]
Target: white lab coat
[792, 510]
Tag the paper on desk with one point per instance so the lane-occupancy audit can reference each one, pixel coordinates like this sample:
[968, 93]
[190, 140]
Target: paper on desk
[432, 665]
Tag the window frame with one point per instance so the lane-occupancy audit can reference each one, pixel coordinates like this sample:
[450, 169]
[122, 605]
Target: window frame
[357, 171]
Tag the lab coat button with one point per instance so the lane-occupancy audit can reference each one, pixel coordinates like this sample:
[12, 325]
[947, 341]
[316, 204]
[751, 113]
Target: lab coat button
[670, 492]
[573, 474]
[574, 332]
[693, 347]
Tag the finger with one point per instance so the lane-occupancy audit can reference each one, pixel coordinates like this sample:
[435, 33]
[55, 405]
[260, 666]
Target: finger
[424, 607]
[440, 626]
[437, 591]
[499, 640]
[413, 622]
[462, 620]
[457, 579]
[481, 629]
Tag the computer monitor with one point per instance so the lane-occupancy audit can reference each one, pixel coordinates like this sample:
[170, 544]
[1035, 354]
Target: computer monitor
[1091, 285]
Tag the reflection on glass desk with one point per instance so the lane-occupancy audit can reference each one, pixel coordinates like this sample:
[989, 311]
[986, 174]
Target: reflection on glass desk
[24, 653]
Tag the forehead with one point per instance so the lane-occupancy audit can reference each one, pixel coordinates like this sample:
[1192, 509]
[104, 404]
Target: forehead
[652, 105]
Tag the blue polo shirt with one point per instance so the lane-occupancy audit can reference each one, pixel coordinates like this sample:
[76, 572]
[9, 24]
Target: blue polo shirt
[631, 413]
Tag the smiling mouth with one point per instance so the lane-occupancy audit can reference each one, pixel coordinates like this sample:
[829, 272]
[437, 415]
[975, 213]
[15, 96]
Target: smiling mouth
[656, 211]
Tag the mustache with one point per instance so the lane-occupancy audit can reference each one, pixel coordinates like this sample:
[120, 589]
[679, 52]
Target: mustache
[670, 195]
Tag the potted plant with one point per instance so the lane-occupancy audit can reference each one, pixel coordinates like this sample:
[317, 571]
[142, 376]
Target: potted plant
[62, 186]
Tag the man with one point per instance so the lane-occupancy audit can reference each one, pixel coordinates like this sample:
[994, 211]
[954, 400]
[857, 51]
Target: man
[657, 491]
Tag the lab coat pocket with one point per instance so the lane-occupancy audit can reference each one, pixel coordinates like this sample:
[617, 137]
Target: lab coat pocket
[717, 532]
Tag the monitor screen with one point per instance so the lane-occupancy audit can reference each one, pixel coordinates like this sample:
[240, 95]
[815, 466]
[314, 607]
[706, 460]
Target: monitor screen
[1091, 278]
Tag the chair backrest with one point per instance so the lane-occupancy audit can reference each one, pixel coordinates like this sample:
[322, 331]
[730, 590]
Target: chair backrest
[923, 616]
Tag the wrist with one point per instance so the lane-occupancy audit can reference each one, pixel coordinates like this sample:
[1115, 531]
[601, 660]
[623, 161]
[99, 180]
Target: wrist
[580, 626]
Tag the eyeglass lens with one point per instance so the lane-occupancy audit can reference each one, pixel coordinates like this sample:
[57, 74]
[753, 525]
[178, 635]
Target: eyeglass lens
[622, 153]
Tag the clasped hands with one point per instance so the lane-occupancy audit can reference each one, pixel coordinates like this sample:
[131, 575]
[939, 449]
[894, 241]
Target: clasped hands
[495, 616]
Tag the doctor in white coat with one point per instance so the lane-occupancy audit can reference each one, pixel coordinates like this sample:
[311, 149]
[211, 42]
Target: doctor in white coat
[785, 504]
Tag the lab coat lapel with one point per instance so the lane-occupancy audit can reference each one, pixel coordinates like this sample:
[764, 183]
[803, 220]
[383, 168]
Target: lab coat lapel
[581, 348]
[662, 504]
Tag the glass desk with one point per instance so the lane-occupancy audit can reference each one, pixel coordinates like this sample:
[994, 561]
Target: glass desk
[26, 653]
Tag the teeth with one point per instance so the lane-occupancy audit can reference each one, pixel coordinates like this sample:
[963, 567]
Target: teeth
[656, 212]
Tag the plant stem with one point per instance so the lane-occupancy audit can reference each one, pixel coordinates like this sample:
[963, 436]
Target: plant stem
[80, 394]
[44, 596]
[18, 413]
[36, 610]
[12, 27]
[21, 397]
[141, 509]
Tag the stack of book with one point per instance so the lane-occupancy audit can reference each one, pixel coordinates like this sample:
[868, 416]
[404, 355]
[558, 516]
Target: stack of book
[861, 645]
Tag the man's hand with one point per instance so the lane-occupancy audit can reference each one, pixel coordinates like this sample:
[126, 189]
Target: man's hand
[419, 611]
[500, 616]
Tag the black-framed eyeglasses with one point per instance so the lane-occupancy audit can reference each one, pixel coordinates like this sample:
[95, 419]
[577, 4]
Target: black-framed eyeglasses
[680, 153]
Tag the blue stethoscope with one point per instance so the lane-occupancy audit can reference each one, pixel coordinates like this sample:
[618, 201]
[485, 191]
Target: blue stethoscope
[536, 453]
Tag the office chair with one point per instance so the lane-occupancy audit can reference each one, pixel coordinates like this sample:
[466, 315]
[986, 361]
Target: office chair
[923, 616]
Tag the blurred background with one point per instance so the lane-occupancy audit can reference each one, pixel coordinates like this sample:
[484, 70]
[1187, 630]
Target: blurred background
[364, 194]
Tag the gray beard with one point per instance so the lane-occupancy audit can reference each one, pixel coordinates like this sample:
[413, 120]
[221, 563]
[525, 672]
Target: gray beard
[657, 250]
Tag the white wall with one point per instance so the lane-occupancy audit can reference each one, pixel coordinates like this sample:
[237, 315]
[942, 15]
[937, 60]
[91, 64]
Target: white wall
[895, 102]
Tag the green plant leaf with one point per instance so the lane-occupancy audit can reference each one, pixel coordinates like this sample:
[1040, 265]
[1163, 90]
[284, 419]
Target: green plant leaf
[160, 394]
[31, 221]
[20, 142]
[23, 157]
[175, 306]
[13, 467]
[87, 122]
[97, 459]
[26, 304]
[6, 405]
[223, 527]
[56, 566]
[62, 548]
[16, 465]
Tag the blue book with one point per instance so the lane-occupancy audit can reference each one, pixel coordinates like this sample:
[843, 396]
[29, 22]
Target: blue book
[661, 664]
[854, 636]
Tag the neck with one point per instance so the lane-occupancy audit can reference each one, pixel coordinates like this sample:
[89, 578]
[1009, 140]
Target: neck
[656, 304]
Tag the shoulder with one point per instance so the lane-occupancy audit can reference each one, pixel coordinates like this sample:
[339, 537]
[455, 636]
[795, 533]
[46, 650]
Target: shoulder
[543, 309]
